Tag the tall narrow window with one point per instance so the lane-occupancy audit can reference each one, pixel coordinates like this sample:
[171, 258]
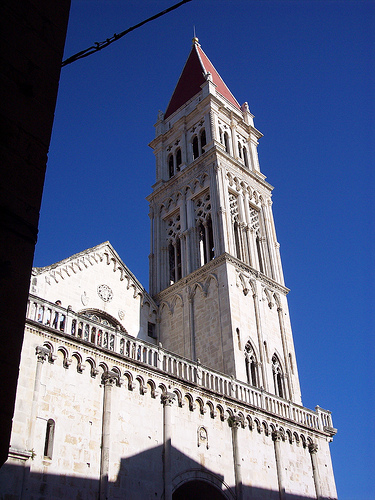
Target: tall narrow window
[202, 244]
[237, 239]
[210, 239]
[259, 252]
[172, 268]
[50, 434]
[238, 338]
[226, 142]
[239, 150]
[195, 147]
[178, 160]
[244, 151]
[170, 166]
[203, 139]
[151, 330]
[178, 259]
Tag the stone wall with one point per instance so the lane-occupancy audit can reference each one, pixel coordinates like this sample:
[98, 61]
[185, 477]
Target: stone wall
[200, 424]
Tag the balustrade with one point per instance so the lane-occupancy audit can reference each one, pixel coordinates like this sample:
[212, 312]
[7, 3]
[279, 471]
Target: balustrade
[66, 321]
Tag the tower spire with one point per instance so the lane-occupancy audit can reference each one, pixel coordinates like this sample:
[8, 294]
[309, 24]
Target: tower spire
[192, 78]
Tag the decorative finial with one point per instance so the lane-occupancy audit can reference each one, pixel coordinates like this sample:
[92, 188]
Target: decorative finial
[195, 38]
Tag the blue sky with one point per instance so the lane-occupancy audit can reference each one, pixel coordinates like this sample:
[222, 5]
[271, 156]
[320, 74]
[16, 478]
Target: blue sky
[306, 69]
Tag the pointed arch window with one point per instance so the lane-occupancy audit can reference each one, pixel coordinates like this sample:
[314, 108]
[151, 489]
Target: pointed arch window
[195, 147]
[220, 135]
[278, 377]
[239, 150]
[251, 365]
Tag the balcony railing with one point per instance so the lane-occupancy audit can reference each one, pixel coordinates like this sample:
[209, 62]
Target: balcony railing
[108, 338]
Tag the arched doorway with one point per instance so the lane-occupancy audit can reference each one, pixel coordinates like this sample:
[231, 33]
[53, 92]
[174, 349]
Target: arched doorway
[199, 490]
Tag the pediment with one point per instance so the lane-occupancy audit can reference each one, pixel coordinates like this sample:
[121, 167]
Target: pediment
[95, 279]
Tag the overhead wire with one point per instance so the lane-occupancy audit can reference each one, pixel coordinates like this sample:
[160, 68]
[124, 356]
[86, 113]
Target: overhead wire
[101, 45]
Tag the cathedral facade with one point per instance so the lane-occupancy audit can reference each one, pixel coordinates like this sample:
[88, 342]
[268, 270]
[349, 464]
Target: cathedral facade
[190, 390]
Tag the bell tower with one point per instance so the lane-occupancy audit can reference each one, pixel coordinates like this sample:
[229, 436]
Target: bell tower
[215, 267]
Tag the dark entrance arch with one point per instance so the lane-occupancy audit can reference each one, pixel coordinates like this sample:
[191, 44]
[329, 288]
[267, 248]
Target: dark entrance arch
[199, 490]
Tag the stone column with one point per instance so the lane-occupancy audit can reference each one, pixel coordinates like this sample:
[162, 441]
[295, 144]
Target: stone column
[235, 424]
[42, 354]
[216, 215]
[313, 448]
[269, 243]
[277, 437]
[109, 379]
[167, 400]
[193, 353]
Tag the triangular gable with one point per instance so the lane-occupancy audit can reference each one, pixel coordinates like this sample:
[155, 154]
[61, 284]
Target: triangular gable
[193, 76]
[95, 279]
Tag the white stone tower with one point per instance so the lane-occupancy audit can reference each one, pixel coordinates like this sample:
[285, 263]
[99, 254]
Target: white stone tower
[215, 267]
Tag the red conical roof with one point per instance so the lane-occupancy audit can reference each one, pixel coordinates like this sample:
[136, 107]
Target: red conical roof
[193, 76]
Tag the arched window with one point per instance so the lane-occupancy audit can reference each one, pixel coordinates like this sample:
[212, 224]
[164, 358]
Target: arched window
[203, 139]
[48, 442]
[239, 150]
[93, 334]
[278, 377]
[170, 166]
[195, 147]
[226, 142]
[178, 159]
[251, 365]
